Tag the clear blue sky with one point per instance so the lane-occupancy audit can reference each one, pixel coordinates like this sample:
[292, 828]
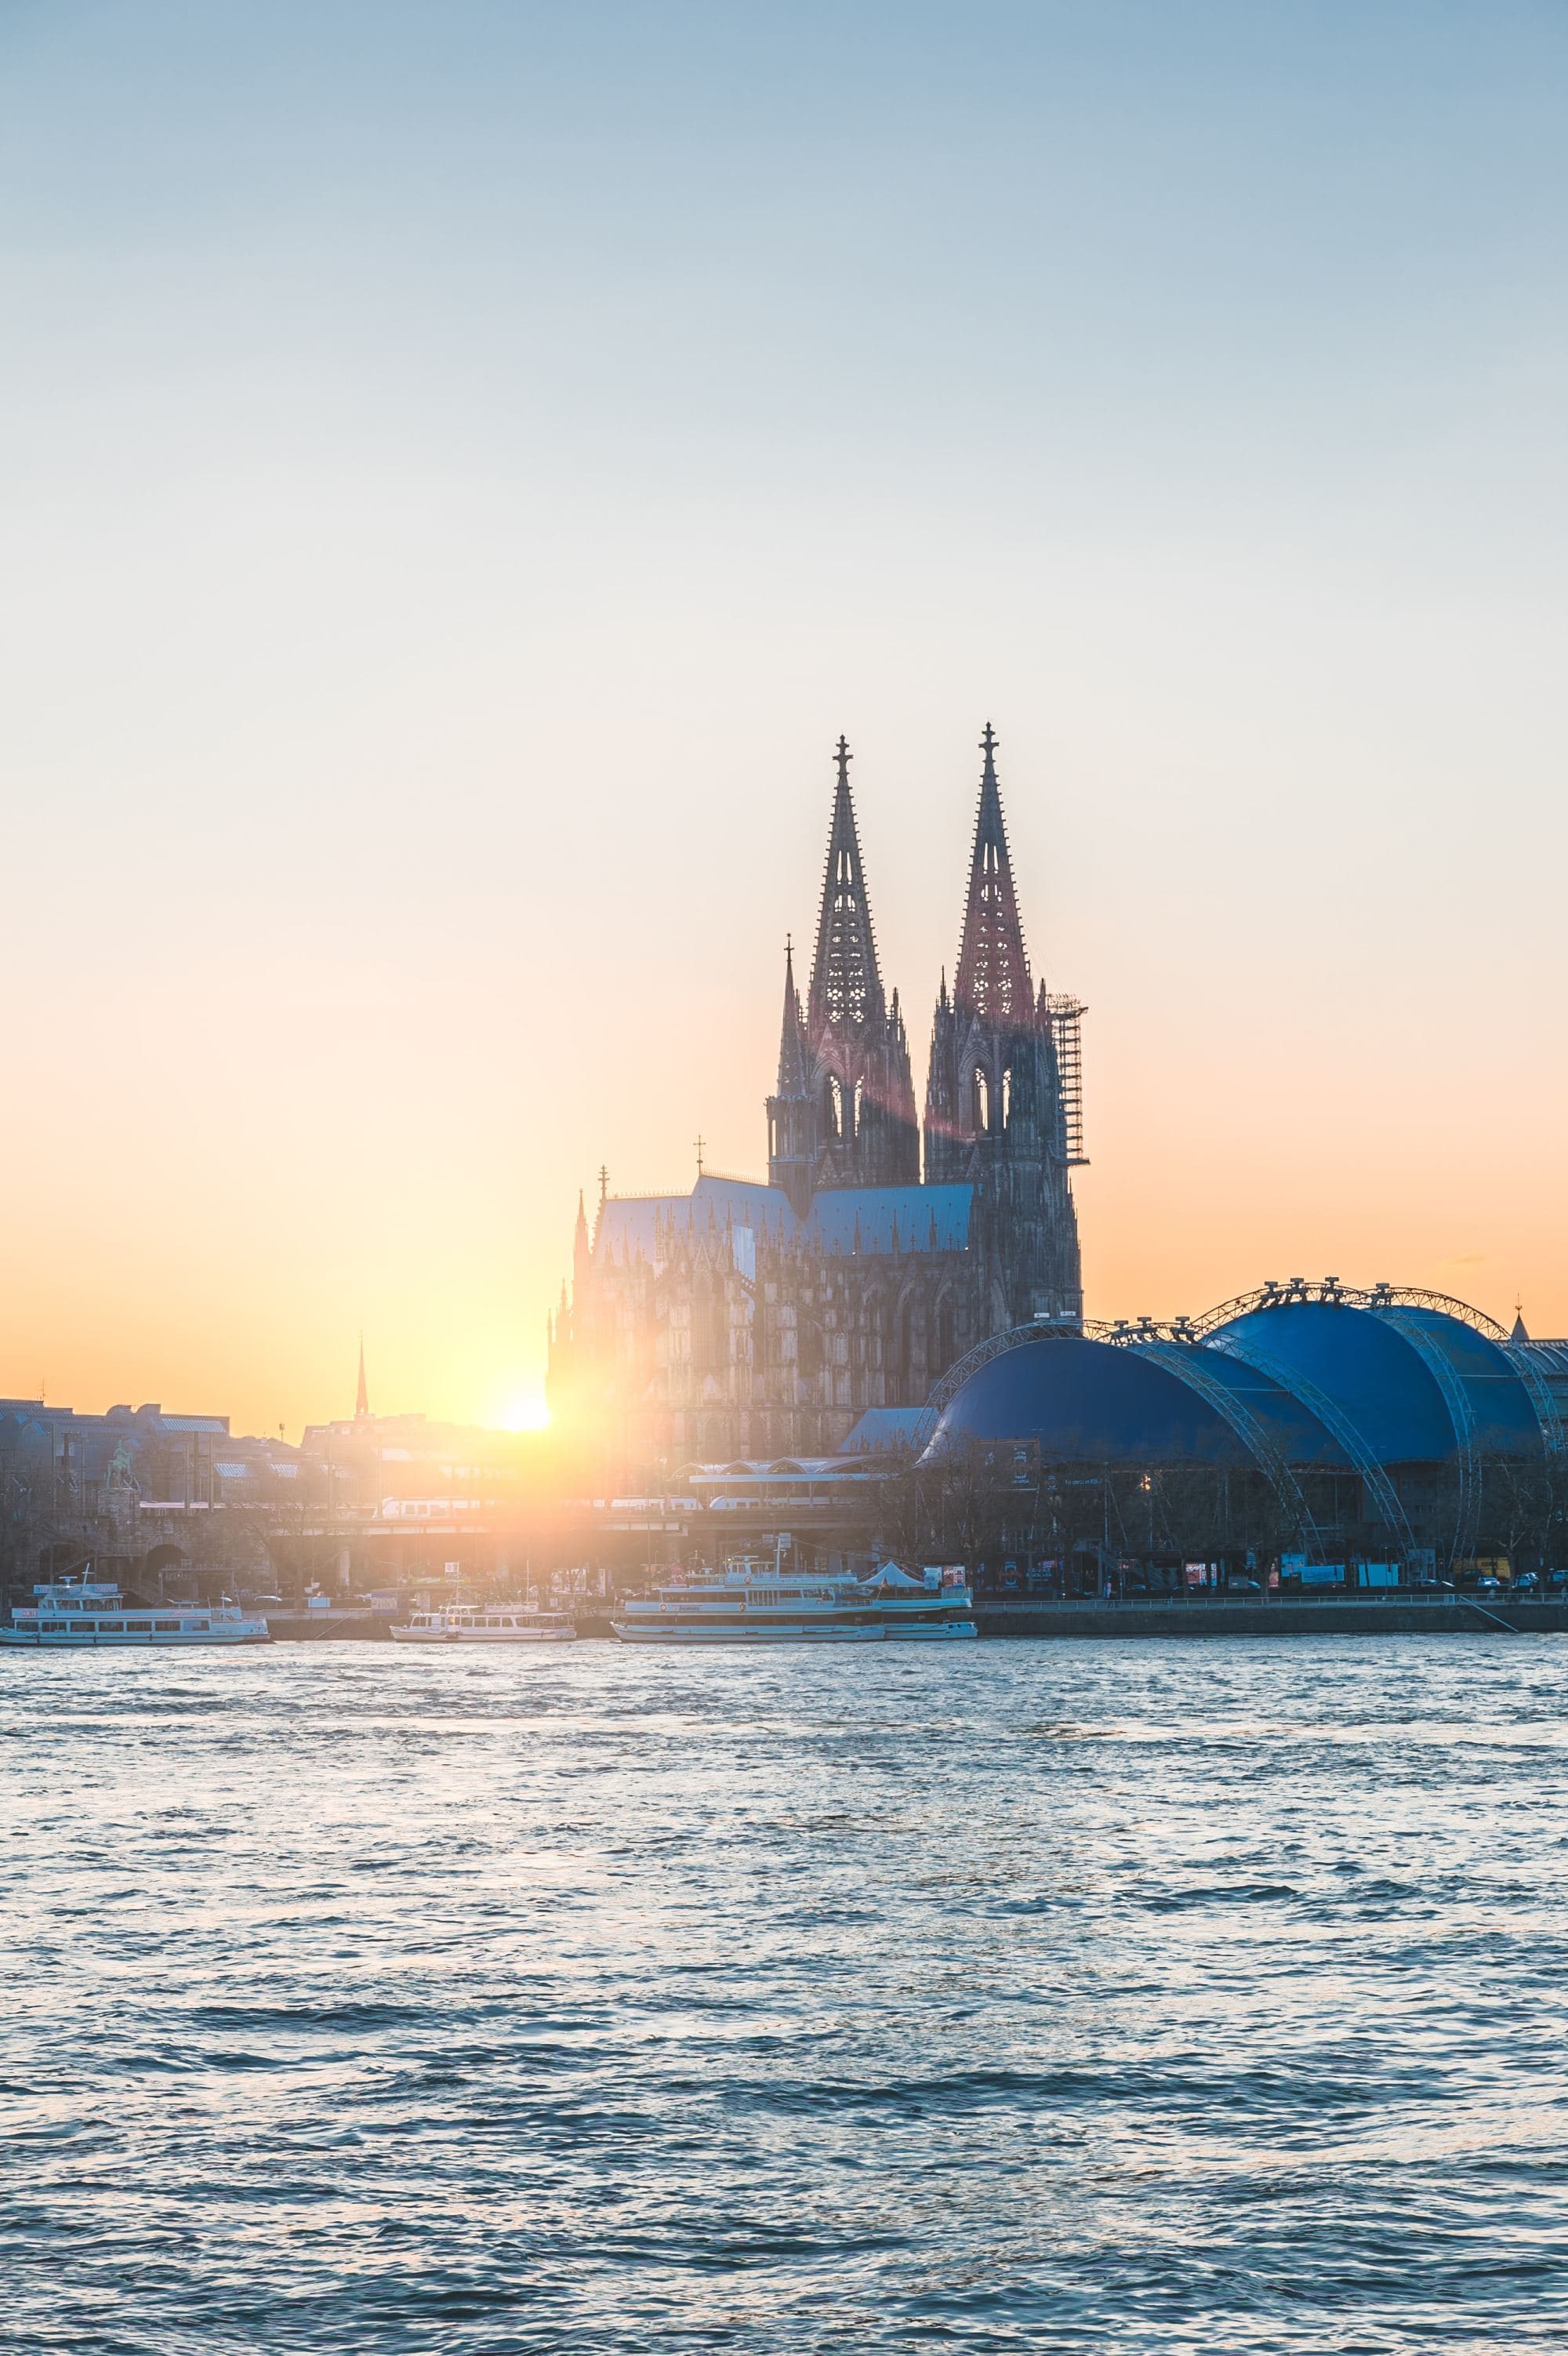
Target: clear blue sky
[463, 464]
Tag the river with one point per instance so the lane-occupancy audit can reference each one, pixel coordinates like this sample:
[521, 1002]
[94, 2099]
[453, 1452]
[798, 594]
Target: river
[1185, 1995]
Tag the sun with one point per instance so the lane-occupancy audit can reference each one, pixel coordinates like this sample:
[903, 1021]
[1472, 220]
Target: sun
[526, 1415]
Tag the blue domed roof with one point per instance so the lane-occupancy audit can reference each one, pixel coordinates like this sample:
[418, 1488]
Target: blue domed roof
[1369, 1371]
[1293, 1429]
[1089, 1403]
[1407, 1379]
[1327, 1384]
[1502, 1417]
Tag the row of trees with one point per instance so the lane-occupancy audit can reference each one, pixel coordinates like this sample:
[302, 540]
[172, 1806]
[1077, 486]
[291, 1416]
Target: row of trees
[991, 1504]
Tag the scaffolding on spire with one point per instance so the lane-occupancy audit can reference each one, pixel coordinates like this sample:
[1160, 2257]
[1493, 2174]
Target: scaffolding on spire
[1065, 1015]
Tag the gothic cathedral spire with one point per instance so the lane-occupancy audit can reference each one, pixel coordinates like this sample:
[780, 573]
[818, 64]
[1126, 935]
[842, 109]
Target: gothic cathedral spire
[846, 982]
[865, 1128]
[994, 1096]
[993, 977]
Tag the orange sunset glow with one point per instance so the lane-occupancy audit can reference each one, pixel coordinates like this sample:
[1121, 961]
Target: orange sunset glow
[416, 750]
[783, 1286]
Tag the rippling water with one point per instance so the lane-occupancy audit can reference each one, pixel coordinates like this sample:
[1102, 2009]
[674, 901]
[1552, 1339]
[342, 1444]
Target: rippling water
[1057, 1996]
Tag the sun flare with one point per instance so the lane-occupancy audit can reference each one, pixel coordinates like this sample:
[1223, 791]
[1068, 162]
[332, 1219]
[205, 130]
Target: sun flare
[526, 1415]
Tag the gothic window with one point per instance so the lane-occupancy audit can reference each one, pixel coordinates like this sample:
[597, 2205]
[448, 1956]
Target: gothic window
[835, 1109]
[981, 1102]
[1006, 1098]
[859, 1101]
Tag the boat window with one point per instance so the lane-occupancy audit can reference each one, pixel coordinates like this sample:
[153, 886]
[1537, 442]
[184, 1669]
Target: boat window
[166, 1627]
[199, 1626]
[56, 1627]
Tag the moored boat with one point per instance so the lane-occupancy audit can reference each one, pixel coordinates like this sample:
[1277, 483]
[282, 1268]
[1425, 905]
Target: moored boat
[759, 1602]
[485, 1623]
[79, 1614]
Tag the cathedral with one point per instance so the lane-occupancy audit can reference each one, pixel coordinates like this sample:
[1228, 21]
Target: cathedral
[744, 1320]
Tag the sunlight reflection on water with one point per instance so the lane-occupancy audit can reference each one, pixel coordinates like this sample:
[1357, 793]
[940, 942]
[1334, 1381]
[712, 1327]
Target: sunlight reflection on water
[1053, 1996]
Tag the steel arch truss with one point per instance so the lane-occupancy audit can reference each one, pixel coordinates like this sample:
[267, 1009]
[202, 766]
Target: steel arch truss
[1540, 1398]
[1461, 1415]
[1335, 1421]
[1331, 1293]
[1169, 1346]
[1185, 1362]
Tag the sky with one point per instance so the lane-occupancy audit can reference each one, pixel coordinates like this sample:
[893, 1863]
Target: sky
[460, 468]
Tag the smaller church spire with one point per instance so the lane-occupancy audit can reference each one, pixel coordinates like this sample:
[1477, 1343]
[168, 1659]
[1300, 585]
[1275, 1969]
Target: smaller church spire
[794, 1079]
[362, 1397]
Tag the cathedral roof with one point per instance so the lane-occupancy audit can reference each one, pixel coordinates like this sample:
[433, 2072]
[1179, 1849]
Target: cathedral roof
[880, 1210]
[914, 1213]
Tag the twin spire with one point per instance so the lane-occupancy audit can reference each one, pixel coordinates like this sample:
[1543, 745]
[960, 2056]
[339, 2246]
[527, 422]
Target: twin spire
[845, 994]
[846, 982]
[993, 977]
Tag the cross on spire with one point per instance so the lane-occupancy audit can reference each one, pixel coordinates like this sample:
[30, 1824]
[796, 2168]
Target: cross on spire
[699, 1155]
[604, 1181]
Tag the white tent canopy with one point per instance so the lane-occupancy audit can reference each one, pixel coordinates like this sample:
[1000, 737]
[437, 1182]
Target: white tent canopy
[891, 1576]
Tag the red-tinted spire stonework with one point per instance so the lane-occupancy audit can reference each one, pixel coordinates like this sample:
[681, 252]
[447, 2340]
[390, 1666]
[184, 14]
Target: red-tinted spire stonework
[846, 982]
[993, 977]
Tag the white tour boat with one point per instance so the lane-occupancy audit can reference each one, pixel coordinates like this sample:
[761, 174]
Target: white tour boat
[486, 1623]
[76, 1613]
[753, 1602]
